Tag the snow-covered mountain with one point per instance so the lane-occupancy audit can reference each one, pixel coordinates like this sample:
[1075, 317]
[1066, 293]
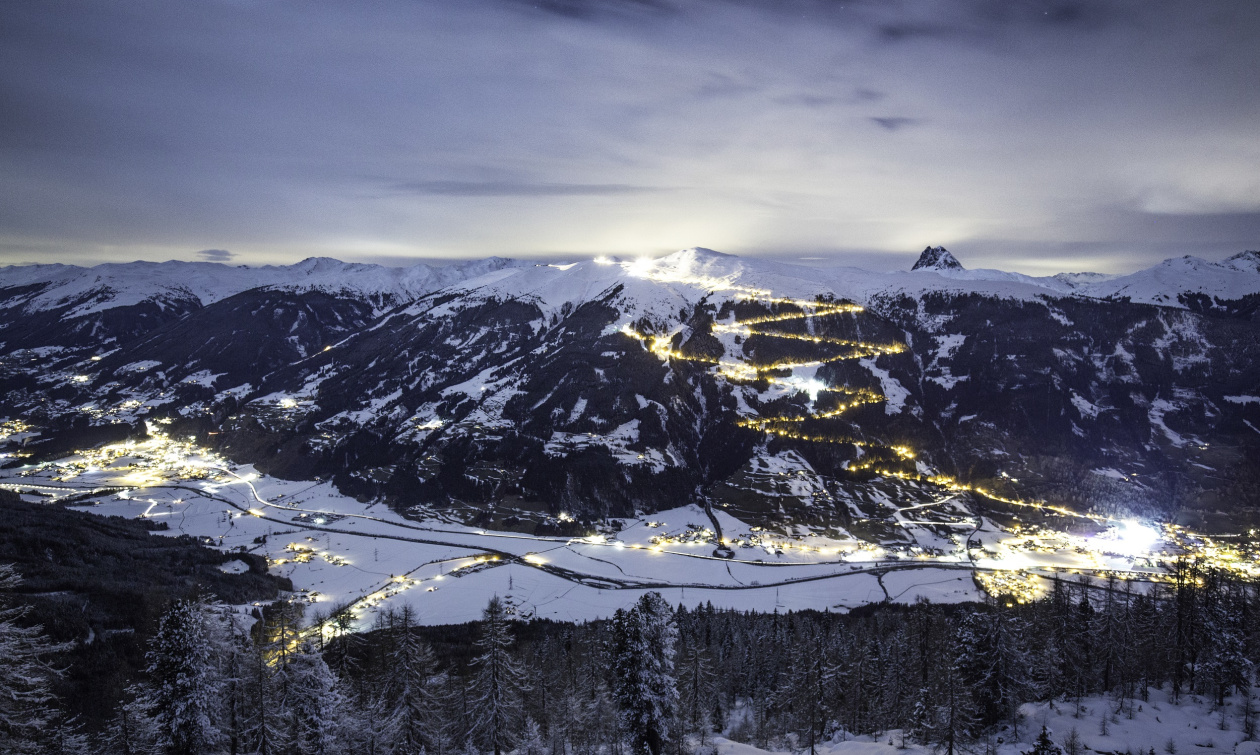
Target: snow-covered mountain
[69, 306]
[79, 291]
[1173, 281]
[786, 394]
[936, 258]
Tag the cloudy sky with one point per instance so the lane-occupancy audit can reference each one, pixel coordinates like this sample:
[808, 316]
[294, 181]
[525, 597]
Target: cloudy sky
[1034, 135]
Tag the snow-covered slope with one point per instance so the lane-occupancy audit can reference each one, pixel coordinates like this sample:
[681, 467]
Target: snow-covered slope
[612, 385]
[683, 276]
[94, 289]
[692, 274]
[1165, 283]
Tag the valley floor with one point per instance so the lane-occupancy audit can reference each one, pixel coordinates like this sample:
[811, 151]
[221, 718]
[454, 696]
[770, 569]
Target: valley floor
[342, 553]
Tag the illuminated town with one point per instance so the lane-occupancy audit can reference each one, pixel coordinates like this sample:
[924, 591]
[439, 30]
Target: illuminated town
[350, 556]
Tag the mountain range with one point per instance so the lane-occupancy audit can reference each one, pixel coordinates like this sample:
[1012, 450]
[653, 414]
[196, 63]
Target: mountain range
[511, 394]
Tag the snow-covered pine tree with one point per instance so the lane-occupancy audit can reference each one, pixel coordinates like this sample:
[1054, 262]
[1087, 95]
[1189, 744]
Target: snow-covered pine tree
[125, 734]
[498, 683]
[1186, 633]
[897, 695]
[65, 738]
[1226, 666]
[644, 639]
[1044, 745]
[1111, 636]
[262, 726]
[532, 740]
[837, 673]
[955, 713]
[315, 713]
[409, 702]
[1148, 640]
[593, 721]
[807, 688]
[342, 643]
[231, 647]
[994, 662]
[182, 691]
[922, 715]
[695, 684]
[27, 704]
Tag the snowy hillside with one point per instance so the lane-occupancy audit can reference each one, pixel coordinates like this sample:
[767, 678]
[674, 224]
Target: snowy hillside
[787, 395]
[90, 290]
[688, 275]
[1164, 284]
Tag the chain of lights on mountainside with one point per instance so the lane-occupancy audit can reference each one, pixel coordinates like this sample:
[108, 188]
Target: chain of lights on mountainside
[1014, 583]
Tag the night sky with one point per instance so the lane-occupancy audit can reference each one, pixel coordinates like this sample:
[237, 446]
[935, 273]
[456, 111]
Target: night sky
[1025, 135]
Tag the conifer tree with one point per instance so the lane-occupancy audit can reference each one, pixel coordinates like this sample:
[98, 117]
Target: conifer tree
[231, 648]
[808, 687]
[315, 707]
[497, 684]
[955, 713]
[126, 732]
[1226, 666]
[409, 701]
[993, 660]
[695, 684]
[644, 640]
[1044, 745]
[182, 691]
[27, 704]
[262, 727]
[532, 740]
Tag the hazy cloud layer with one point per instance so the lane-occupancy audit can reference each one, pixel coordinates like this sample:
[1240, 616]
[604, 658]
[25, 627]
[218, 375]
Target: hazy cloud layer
[1020, 133]
[513, 189]
[215, 255]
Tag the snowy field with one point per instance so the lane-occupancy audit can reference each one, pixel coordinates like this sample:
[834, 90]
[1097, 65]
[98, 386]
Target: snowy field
[1192, 726]
[340, 552]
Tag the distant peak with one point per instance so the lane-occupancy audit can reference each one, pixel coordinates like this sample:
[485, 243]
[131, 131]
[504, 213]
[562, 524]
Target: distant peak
[699, 251]
[318, 263]
[1248, 260]
[937, 258]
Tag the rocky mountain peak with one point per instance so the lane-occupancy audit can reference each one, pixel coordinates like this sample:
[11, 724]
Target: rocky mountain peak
[1248, 260]
[937, 258]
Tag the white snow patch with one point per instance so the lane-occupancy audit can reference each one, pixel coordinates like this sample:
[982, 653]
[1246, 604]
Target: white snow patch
[946, 345]
[1084, 406]
[894, 392]
[1160, 407]
[1112, 473]
[1243, 399]
[141, 366]
[235, 566]
[578, 407]
[203, 378]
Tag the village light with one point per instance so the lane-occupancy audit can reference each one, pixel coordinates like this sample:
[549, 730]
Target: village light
[1132, 538]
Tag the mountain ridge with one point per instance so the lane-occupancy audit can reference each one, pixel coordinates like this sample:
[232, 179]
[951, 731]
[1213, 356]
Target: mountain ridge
[82, 291]
[610, 386]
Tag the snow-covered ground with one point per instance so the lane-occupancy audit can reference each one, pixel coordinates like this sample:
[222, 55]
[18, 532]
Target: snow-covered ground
[1193, 725]
[339, 551]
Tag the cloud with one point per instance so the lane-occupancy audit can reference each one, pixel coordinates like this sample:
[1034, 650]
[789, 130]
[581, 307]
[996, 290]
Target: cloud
[284, 129]
[515, 189]
[591, 9]
[216, 255]
[893, 123]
